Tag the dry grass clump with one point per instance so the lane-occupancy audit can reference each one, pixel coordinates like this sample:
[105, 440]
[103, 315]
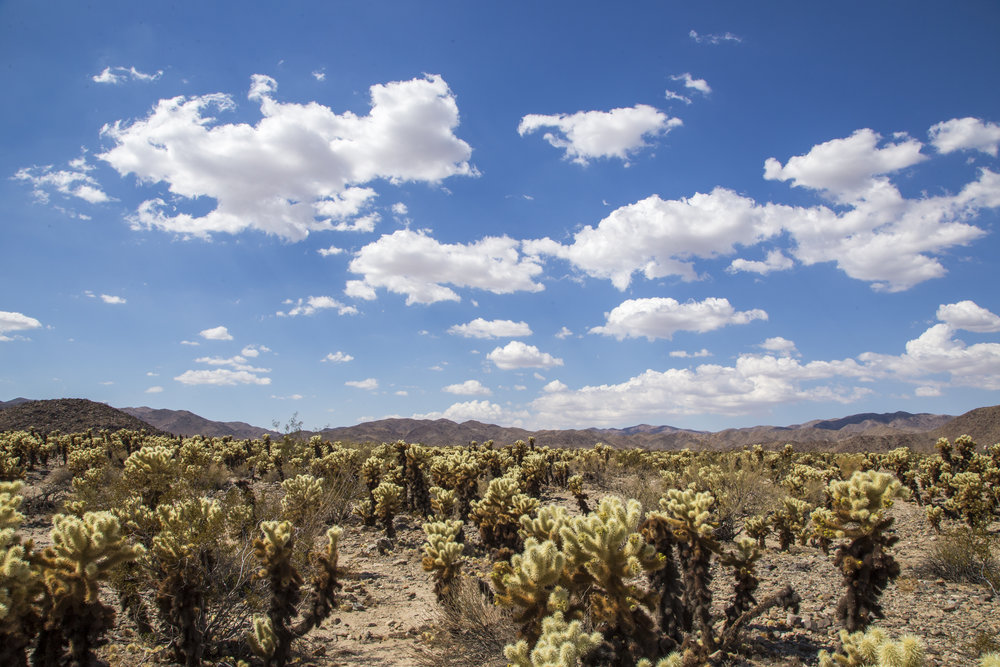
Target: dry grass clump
[965, 555]
[470, 630]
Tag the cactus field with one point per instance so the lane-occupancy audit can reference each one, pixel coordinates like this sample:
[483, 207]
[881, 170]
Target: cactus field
[125, 548]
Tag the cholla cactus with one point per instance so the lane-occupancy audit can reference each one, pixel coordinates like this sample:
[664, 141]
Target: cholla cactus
[20, 583]
[858, 514]
[442, 502]
[968, 499]
[688, 513]
[184, 552]
[791, 521]
[442, 555]
[152, 471]
[575, 486]
[272, 639]
[529, 584]
[593, 572]
[83, 553]
[546, 525]
[388, 501]
[742, 559]
[273, 634]
[874, 648]
[934, 516]
[498, 514]
[989, 660]
[561, 644]
[758, 528]
[303, 494]
[416, 459]
[458, 471]
[534, 470]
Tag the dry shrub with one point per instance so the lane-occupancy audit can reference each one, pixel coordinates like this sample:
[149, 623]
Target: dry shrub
[965, 555]
[643, 484]
[470, 630]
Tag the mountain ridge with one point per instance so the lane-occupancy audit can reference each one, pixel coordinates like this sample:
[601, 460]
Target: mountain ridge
[863, 431]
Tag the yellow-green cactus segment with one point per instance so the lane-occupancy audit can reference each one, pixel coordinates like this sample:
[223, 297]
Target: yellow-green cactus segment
[83, 552]
[864, 499]
[302, 494]
[561, 644]
[874, 648]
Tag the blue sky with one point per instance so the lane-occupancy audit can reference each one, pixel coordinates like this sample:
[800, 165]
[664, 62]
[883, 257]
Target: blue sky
[549, 215]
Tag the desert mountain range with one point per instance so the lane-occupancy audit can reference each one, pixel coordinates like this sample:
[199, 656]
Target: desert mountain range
[860, 432]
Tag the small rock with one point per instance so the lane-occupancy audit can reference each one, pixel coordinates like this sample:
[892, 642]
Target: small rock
[383, 545]
[792, 620]
[822, 623]
[951, 605]
[401, 561]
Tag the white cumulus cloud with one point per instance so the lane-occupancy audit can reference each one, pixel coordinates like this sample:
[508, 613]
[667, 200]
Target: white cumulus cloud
[216, 333]
[970, 316]
[714, 38]
[73, 181]
[846, 169]
[310, 305]
[481, 328]
[108, 298]
[221, 377]
[155, 389]
[116, 75]
[966, 134]
[369, 383]
[301, 168]
[662, 317]
[483, 411]
[468, 388]
[694, 84]
[775, 261]
[415, 264]
[10, 321]
[337, 357]
[516, 354]
[586, 135]
[875, 234]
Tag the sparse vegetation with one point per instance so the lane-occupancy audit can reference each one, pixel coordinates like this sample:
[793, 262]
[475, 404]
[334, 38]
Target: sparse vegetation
[214, 550]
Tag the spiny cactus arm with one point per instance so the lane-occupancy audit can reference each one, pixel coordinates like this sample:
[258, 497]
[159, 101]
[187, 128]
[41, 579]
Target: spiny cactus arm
[324, 585]
[874, 648]
[990, 660]
[262, 638]
[675, 659]
[561, 644]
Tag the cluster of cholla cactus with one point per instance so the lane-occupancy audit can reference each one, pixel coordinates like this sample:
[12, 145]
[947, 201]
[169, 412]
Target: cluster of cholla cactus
[20, 583]
[598, 583]
[499, 512]
[273, 633]
[874, 648]
[575, 486]
[791, 522]
[858, 514]
[589, 569]
[443, 555]
[183, 555]
[561, 643]
[83, 553]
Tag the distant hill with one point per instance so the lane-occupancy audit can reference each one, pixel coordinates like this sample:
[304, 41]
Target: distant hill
[882, 430]
[183, 422]
[983, 424]
[860, 432]
[67, 415]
